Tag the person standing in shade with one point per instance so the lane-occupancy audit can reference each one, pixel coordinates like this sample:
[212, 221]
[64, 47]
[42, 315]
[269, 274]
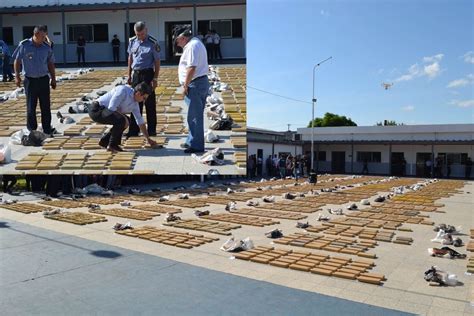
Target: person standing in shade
[37, 59]
[365, 168]
[144, 61]
[192, 73]
[81, 50]
[269, 166]
[111, 109]
[468, 168]
[209, 41]
[6, 56]
[217, 45]
[116, 48]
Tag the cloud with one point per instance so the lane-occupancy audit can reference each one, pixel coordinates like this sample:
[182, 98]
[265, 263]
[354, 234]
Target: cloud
[324, 13]
[408, 108]
[458, 83]
[433, 59]
[430, 68]
[463, 103]
[469, 57]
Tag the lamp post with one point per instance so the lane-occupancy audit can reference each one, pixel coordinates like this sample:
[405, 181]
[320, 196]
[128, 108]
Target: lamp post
[312, 118]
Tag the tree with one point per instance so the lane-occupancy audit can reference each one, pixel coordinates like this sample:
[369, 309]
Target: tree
[388, 123]
[331, 119]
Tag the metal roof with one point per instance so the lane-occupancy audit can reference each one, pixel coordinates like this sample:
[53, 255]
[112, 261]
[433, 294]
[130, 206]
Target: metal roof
[120, 5]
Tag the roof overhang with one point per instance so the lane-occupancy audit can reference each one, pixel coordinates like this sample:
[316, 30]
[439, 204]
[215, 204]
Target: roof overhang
[119, 6]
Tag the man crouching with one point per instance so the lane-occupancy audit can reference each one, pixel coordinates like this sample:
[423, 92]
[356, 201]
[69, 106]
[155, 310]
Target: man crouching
[111, 109]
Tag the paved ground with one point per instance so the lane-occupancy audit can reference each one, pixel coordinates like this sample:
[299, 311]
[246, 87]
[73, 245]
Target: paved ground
[405, 290]
[45, 272]
[168, 160]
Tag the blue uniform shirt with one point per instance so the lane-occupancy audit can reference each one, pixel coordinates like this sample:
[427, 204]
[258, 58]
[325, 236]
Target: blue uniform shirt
[120, 99]
[5, 49]
[144, 54]
[34, 58]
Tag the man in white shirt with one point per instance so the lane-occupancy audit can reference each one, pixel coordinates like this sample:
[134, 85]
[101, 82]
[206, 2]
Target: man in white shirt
[217, 45]
[192, 73]
[111, 109]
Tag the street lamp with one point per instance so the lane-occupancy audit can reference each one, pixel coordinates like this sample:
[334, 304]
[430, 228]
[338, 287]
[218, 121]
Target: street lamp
[312, 119]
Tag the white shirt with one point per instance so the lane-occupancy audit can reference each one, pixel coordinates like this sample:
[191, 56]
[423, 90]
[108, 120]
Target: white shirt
[217, 39]
[121, 99]
[194, 55]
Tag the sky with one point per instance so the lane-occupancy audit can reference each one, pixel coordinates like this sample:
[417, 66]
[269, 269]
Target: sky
[425, 48]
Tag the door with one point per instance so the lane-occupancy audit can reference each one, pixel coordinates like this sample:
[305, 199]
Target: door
[422, 169]
[173, 52]
[259, 162]
[397, 164]
[338, 162]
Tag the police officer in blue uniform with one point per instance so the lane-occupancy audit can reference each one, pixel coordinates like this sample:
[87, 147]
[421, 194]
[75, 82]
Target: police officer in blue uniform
[144, 61]
[37, 59]
[111, 109]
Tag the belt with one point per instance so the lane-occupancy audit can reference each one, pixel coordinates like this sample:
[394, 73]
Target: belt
[143, 70]
[198, 78]
[42, 77]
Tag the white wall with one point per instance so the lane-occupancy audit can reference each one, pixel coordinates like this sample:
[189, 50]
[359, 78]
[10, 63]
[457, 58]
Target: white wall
[154, 18]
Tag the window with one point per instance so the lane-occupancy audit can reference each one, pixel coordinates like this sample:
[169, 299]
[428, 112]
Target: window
[28, 31]
[131, 30]
[93, 33]
[8, 35]
[321, 156]
[370, 156]
[222, 27]
[457, 158]
[225, 28]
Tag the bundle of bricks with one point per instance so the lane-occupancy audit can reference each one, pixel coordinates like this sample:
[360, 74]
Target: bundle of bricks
[358, 231]
[241, 219]
[167, 237]
[25, 208]
[318, 263]
[77, 218]
[205, 226]
[190, 203]
[269, 213]
[329, 243]
[157, 208]
[126, 213]
[65, 203]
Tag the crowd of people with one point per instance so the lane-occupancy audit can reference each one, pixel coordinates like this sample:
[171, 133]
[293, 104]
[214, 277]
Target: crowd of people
[279, 166]
[212, 41]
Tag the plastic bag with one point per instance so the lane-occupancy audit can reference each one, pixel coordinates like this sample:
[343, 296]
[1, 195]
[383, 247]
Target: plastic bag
[17, 136]
[5, 153]
[232, 245]
[210, 137]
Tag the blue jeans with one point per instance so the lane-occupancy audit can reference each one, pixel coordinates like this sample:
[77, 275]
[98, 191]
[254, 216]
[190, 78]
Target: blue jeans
[196, 101]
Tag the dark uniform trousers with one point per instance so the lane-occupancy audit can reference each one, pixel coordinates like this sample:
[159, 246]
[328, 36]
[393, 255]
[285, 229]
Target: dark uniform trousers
[38, 88]
[146, 75]
[102, 115]
[116, 53]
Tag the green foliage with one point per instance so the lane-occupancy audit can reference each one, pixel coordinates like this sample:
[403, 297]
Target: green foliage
[331, 119]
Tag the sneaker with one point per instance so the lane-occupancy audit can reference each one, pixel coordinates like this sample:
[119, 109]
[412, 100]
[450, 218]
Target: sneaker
[184, 145]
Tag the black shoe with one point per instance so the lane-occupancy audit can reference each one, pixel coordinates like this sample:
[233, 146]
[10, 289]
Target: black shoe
[184, 145]
[10, 79]
[192, 151]
[131, 135]
[103, 142]
[114, 148]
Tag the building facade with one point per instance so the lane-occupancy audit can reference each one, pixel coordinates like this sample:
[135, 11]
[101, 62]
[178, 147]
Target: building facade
[419, 150]
[100, 20]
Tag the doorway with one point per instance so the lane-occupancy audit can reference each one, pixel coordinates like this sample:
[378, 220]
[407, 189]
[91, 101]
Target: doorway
[422, 168]
[338, 162]
[173, 52]
[398, 166]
